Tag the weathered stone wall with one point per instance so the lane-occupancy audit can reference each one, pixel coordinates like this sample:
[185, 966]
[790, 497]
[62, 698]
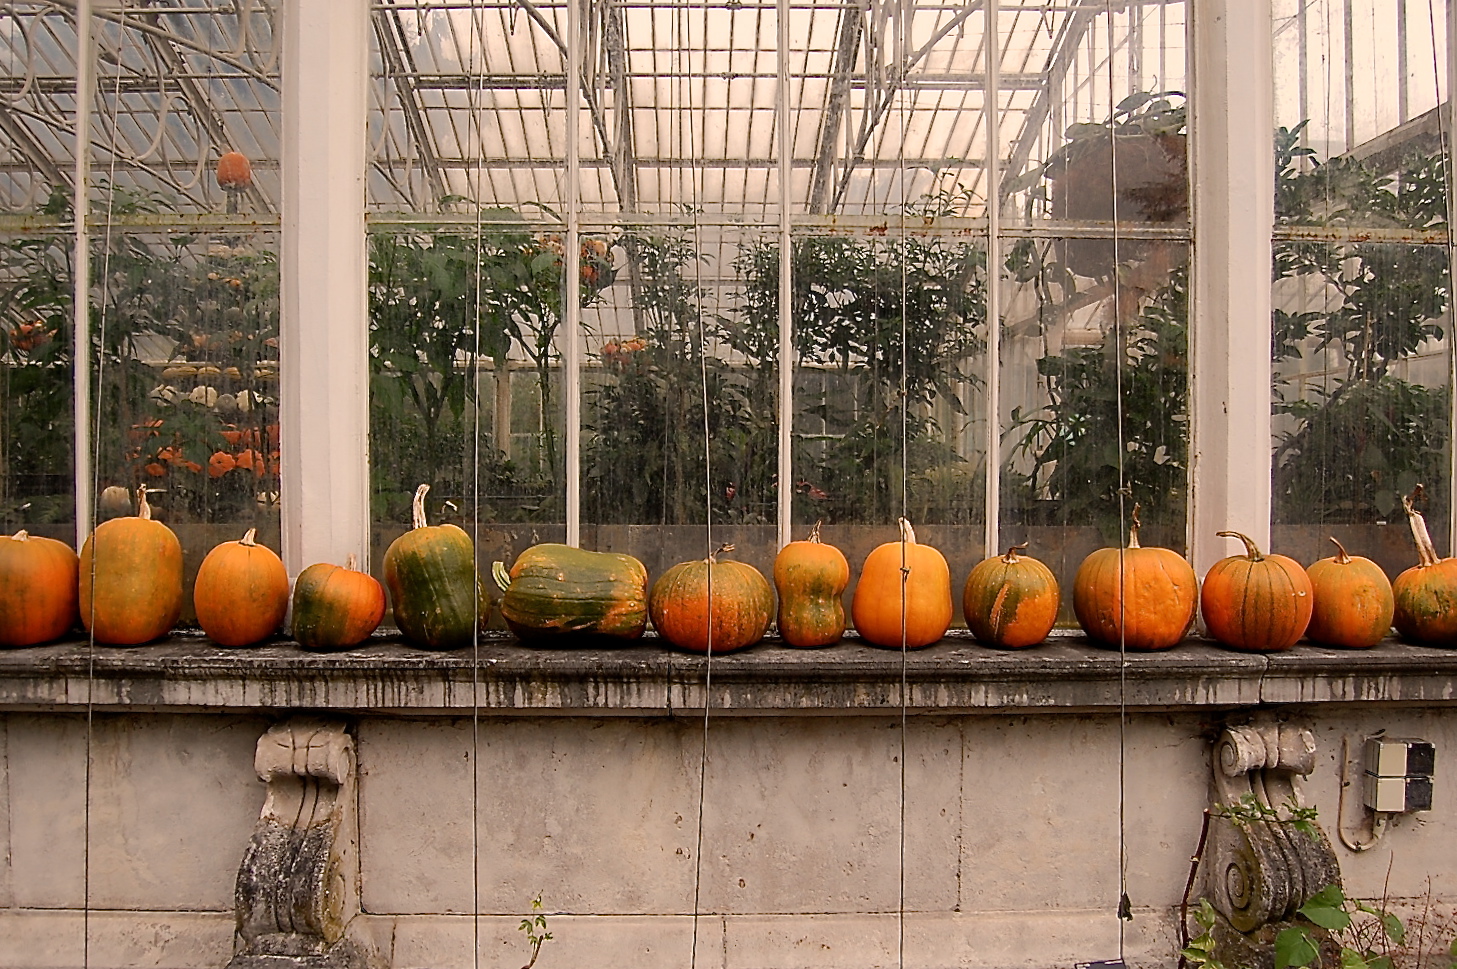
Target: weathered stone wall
[1008, 817]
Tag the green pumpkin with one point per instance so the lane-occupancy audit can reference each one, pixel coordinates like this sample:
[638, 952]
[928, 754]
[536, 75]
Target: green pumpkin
[431, 574]
[556, 590]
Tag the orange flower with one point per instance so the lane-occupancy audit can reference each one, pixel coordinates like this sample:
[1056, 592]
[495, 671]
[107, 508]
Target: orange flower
[155, 470]
[220, 464]
[251, 460]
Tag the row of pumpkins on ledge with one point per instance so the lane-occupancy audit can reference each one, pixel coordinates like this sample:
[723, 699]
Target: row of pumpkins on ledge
[126, 589]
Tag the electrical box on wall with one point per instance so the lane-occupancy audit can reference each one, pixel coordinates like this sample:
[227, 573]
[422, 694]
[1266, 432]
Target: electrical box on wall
[1399, 774]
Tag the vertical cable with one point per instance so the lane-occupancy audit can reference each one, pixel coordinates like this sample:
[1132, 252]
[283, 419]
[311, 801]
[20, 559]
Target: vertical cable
[1444, 129]
[85, 439]
[904, 10]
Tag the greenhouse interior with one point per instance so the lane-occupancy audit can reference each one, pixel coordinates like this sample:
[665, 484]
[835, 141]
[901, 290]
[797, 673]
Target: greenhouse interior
[741, 484]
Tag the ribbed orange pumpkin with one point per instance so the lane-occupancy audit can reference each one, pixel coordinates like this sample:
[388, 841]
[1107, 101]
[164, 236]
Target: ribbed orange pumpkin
[925, 594]
[1425, 595]
[1138, 598]
[734, 616]
[810, 578]
[241, 592]
[233, 171]
[1256, 602]
[335, 608]
[1010, 600]
[1353, 601]
[131, 578]
[38, 589]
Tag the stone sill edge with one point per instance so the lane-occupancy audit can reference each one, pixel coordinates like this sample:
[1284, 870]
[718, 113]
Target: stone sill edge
[956, 675]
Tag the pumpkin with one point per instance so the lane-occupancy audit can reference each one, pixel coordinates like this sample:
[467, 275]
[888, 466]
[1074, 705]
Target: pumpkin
[555, 590]
[1424, 597]
[1256, 602]
[335, 608]
[241, 592]
[431, 574]
[1353, 603]
[131, 578]
[1135, 598]
[810, 577]
[903, 597]
[233, 171]
[1010, 600]
[708, 606]
[38, 589]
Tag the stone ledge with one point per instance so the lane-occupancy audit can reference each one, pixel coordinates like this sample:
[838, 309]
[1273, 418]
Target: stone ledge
[501, 677]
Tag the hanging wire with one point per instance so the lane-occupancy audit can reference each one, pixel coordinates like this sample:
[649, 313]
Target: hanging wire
[1444, 132]
[899, 42]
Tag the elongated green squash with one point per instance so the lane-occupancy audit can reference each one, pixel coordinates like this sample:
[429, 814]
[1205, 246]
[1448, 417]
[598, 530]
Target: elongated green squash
[431, 574]
[556, 590]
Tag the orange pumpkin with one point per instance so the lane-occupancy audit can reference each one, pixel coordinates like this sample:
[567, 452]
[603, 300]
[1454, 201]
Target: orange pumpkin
[1425, 595]
[1010, 600]
[1353, 601]
[903, 597]
[1135, 597]
[1256, 602]
[335, 608]
[810, 578]
[38, 589]
[233, 171]
[711, 606]
[241, 592]
[131, 578]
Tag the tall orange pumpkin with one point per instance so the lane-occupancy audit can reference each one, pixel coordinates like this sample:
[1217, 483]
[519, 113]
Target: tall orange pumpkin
[1135, 597]
[241, 592]
[711, 606]
[1010, 600]
[131, 578]
[1256, 602]
[1425, 595]
[1353, 602]
[810, 577]
[38, 589]
[903, 584]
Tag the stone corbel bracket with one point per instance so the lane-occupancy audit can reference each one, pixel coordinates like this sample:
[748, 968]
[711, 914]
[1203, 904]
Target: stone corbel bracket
[1259, 868]
[298, 885]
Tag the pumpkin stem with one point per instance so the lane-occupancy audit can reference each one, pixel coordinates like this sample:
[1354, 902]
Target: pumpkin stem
[1133, 528]
[20, 536]
[1011, 557]
[352, 562]
[1342, 556]
[417, 507]
[814, 533]
[502, 577]
[1426, 551]
[1251, 550]
[713, 559]
[908, 534]
[250, 539]
[144, 510]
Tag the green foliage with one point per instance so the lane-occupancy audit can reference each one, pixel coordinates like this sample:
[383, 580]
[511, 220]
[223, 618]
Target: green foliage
[535, 929]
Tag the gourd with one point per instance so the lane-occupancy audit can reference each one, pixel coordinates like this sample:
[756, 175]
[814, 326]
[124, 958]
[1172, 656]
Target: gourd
[810, 578]
[1256, 602]
[335, 608]
[131, 578]
[1425, 595]
[431, 574]
[38, 589]
[240, 594]
[888, 598]
[1353, 603]
[1010, 600]
[708, 606]
[556, 590]
[1135, 598]
[234, 173]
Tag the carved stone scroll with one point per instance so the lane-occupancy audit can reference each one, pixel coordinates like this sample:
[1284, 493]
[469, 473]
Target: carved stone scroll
[297, 886]
[1258, 867]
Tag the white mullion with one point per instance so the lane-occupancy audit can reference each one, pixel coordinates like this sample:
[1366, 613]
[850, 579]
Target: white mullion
[572, 301]
[1234, 212]
[994, 288]
[81, 281]
[324, 332]
[785, 501]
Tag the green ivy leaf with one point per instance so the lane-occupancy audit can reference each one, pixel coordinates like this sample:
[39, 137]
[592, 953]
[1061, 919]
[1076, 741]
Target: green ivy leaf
[1327, 908]
[1294, 949]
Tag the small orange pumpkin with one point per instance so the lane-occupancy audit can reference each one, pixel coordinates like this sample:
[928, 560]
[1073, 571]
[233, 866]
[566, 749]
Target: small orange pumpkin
[335, 608]
[1353, 601]
[810, 577]
[903, 596]
[1425, 595]
[234, 172]
[1135, 597]
[38, 589]
[711, 606]
[1010, 600]
[1256, 602]
[131, 578]
[241, 592]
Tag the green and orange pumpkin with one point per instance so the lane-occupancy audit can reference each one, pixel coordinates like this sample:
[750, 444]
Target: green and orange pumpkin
[1011, 600]
[1425, 595]
[1353, 604]
[711, 606]
[1256, 602]
[554, 592]
[439, 601]
[334, 607]
[810, 578]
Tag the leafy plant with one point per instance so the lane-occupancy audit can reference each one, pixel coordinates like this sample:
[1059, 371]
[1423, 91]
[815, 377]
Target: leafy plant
[534, 926]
